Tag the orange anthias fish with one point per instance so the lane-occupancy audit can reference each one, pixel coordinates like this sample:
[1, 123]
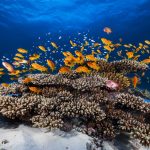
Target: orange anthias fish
[136, 57]
[107, 56]
[23, 61]
[86, 43]
[34, 57]
[63, 70]
[73, 44]
[39, 67]
[147, 42]
[70, 61]
[8, 66]
[135, 81]
[42, 48]
[98, 51]
[108, 48]
[82, 48]
[80, 58]
[146, 61]
[19, 55]
[127, 45]
[130, 54]
[17, 58]
[1, 69]
[67, 54]
[4, 84]
[2, 73]
[21, 50]
[34, 89]
[82, 69]
[107, 30]
[96, 44]
[51, 64]
[54, 45]
[27, 80]
[15, 73]
[78, 53]
[91, 58]
[105, 41]
[15, 63]
[93, 65]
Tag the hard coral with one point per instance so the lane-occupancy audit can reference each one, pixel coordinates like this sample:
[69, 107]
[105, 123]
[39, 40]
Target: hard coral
[89, 101]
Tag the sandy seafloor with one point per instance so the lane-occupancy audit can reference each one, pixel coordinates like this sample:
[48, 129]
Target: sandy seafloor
[23, 137]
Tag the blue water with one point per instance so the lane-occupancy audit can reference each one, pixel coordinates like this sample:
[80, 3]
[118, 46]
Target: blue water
[22, 22]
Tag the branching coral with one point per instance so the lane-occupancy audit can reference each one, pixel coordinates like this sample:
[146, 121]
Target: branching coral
[74, 100]
[127, 66]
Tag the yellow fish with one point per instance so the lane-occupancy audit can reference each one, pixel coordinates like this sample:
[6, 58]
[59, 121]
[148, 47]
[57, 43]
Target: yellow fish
[23, 61]
[34, 89]
[15, 73]
[27, 80]
[105, 41]
[19, 55]
[5, 84]
[82, 69]
[93, 52]
[93, 65]
[42, 48]
[136, 57]
[63, 70]
[99, 51]
[78, 53]
[86, 43]
[108, 48]
[82, 48]
[17, 58]
[34, 57]
[21, 50]
[146, 61]
[127, 46]
[69, 61]
[135, 81]
[140, 45]
[1, 69]
[54, 45]
[79, 60]
[51, 64]
[13, 78]
[39, 67]
[73, 44]
[91, 58]
[107, 56]
[143, 74]
[2, 73]
[25, 70]
[130, 54]
[15, 63]
[67, 54]
[96, 44]
[107, 30]
[147, 42]
[8, 66]
[137, 49]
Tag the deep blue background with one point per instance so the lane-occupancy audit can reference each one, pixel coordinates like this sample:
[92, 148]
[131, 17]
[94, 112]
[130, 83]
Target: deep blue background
[23, 21]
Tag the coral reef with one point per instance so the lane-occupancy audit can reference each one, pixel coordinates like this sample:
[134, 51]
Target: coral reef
[79, 100]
